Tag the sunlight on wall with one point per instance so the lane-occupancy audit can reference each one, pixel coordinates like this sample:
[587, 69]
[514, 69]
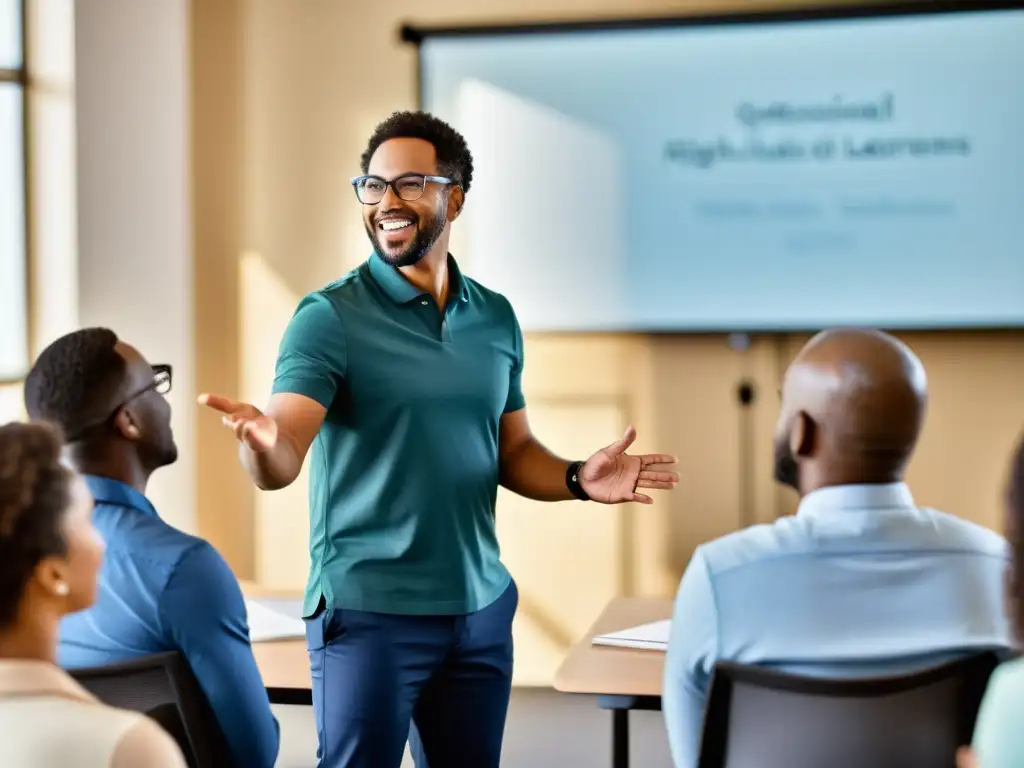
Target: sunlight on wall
[282, 517]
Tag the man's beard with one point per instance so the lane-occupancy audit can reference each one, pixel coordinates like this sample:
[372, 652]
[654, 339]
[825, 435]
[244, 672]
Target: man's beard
[787, 471]
[161, 452]
[425, 239]
[169, 455]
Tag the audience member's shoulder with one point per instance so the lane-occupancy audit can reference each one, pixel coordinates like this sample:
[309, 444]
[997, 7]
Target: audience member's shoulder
[1007, 684]
[996, 733]
[758, 543]
[956, 532]
[92, 726]
[158, 545]
[201, 559]
[145, 744]
[202, 579]
[1011, 673]
[152, 539]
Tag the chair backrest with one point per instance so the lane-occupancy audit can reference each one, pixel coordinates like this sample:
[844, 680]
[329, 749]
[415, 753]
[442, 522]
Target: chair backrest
[760, 718]
[163, 687]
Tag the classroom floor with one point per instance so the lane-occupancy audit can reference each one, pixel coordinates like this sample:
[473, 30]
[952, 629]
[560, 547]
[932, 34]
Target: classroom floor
[544, 728]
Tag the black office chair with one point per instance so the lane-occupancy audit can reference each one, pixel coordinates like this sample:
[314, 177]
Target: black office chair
[163, 687]
[759, 718]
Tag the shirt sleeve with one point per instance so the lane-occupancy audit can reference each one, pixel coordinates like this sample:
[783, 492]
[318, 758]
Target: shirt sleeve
[203, 610]
[690, 659]
[147, 745]
[515, 400]
[312, 357]
[998, 740]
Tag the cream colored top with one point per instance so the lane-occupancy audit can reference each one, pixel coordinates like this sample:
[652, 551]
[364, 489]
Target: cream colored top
[47, 720]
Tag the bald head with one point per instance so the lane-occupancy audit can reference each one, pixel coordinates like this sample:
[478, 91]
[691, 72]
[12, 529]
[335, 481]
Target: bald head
[853, 404]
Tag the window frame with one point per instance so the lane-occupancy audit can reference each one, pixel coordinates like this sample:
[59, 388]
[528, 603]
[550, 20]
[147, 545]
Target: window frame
[19, 78]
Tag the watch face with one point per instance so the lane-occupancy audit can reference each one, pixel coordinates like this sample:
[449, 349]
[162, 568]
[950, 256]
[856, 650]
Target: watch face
[572, 481]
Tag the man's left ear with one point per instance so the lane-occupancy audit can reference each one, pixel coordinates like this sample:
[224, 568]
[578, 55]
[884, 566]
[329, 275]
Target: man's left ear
[803, 436]
[125, 422]
[456, 200]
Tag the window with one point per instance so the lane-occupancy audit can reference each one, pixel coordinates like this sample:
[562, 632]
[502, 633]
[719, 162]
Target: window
[13, 257]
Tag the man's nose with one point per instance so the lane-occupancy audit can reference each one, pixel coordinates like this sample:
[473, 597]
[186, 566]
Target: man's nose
[390, 199]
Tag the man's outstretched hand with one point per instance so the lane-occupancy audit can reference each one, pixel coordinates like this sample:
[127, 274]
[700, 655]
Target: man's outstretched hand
[253, 428]
[612, 476]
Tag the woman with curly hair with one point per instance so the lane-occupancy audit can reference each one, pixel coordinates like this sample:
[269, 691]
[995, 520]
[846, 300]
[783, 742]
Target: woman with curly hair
[998, 736]
[49, 558]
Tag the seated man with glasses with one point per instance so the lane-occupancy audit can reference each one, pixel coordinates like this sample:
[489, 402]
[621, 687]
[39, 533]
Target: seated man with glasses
[160, 589]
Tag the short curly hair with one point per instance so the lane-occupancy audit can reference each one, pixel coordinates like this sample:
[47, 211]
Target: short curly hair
[75, 380]
[454, 159]
[1015, 530]
[35, 492]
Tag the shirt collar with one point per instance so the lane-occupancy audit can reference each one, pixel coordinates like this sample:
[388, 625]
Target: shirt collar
[851, 498]
[106, 490]
[23, 677]
[401, 291]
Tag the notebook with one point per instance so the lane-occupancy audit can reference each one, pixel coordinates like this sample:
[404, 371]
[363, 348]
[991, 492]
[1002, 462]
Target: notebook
[649, 637]
[266, 623]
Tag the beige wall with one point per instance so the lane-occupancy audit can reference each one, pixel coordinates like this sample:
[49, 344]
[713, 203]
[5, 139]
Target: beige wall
[134, 264]
[284, 96]
[219, 195]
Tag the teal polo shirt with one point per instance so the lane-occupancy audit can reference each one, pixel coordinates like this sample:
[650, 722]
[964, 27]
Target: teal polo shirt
[404, 470]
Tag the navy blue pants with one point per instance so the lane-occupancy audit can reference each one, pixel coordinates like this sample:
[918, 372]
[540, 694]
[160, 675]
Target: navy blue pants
[375, 673]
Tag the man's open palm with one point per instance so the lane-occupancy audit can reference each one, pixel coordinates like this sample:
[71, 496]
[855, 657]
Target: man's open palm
[612, 476]
[251, 426]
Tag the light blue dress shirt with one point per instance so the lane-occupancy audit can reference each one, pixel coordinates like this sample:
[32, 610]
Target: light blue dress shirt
[860, 582]
[163, 590]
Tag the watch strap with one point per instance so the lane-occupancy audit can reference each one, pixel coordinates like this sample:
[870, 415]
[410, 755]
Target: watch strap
[572, 481]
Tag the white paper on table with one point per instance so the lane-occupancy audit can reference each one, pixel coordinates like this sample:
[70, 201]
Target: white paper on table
[649, 637]
[267, 624]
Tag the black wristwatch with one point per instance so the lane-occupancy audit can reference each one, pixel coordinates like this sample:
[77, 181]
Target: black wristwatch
[572, 481]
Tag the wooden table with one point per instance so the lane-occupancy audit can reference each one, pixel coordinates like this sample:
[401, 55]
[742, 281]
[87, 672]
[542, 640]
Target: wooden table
[283, 664]
[623, 679]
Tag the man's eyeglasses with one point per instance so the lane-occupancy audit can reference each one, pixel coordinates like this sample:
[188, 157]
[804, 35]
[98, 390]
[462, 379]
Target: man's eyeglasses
[161, 384]
[162, 378]
[410, 186]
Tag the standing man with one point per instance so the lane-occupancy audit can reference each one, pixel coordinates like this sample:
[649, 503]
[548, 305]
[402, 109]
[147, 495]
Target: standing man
[405, 378]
